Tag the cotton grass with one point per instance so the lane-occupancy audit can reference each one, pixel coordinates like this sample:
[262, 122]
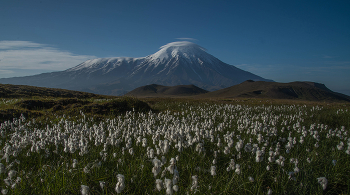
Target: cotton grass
[229, 147]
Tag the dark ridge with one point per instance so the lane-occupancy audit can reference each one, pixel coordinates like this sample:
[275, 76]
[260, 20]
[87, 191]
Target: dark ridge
[309, 91]
[166, 91]
[33, 108]
[47, 104]
[17, 91]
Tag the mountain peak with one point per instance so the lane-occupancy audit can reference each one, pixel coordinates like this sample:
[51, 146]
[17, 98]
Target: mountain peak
[184, 48]
[182, 45]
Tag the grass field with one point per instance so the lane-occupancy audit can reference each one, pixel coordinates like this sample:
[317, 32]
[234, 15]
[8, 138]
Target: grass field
[113, 145]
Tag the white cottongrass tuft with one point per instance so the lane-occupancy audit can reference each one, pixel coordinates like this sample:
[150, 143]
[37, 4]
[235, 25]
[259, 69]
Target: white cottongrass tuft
[75, 162]
[119, 187]
[168, 187]
[238, 169]
[323, 182]
[84, 190]
[159, 184]
[268, 167]
[102, 184]
[176, 188]
[308, 160]
[269, 192]
[194, 183]
[131, 151]
[213, 170]
[4, 191]
[12, 173]
[157, 166]
[296, 170]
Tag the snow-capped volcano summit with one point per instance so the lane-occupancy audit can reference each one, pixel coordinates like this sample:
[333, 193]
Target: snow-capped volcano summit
[174, 49]
[176, 63]
[177, 53]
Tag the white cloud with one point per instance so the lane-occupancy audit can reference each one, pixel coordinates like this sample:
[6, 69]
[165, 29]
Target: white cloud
[6, 72]
[187, 39]
[30, 55]
[18, 44]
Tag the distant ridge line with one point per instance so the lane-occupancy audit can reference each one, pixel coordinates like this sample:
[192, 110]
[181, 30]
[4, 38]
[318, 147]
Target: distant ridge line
[155, 90]
[298, 90]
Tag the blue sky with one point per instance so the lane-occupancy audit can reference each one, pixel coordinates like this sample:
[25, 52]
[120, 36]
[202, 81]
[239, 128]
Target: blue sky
[280, 40]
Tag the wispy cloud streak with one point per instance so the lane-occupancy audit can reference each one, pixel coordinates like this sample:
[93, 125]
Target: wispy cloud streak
[187, 39]
[30, 55]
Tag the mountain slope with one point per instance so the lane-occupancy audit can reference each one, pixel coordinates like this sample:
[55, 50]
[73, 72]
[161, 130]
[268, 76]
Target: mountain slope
[20, 91]
[295, 90]
[166, 91]
[177, 63]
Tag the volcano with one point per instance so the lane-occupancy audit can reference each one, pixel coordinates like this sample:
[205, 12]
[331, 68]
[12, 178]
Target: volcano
[176, 63]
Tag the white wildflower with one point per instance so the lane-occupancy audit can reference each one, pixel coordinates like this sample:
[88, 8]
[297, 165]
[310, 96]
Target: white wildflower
[194, 183]
[269, 192]
[323, 182]
[169, 189]
[238, 169]
[213, 170]
[308, 160]
[157, 164]
[131, 151]
[75, 162]
[102, 184]
[119, 187]
[8, 181]
[159, 184]
[4, 191]
[296, 170]
[84, 190]
[12, 173]
[176, 188]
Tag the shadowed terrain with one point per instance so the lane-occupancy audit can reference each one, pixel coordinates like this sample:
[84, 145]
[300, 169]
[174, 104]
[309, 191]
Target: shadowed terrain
[166, 91]
[16, 91]
[17, 100]
[309, 91]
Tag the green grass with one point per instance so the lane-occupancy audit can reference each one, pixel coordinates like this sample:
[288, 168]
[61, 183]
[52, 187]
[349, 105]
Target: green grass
[98, 120]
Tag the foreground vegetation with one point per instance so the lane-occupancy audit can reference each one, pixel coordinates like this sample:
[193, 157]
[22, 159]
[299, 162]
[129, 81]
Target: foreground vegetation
[111, 146]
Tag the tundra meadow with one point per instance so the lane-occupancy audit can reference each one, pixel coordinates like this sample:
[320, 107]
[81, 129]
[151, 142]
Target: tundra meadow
[180, 147]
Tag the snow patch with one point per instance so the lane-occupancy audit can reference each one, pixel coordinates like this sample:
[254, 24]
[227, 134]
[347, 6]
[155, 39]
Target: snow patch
[181, 53]
[101, 63]
[177, 48]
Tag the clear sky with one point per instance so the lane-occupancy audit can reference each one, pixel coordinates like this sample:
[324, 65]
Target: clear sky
[280, 40]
